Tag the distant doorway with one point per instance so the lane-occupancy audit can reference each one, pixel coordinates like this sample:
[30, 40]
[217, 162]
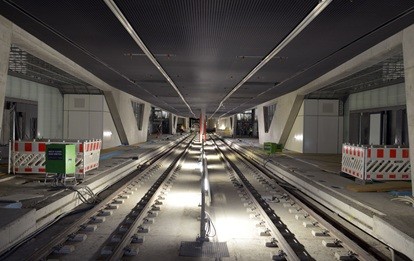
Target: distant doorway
[379, 127]
[19, 120]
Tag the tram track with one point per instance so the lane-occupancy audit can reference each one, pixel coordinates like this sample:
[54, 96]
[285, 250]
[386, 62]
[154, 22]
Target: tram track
[65, 236]
[120, 226]
[142, 214]
[274, 197]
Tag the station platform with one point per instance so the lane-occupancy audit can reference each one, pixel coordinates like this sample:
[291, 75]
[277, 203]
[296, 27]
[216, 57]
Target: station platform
[28, 203]
[318, 176]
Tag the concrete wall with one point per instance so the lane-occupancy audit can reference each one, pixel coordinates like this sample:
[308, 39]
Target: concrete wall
[88, 117]
[50, 105]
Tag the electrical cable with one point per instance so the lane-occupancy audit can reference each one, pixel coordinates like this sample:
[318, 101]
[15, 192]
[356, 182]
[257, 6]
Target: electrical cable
[405, 199]
[87, 191]
[210, 225]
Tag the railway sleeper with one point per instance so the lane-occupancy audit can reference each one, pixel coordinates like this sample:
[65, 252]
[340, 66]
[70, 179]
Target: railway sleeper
[131, 250]
[137, 239]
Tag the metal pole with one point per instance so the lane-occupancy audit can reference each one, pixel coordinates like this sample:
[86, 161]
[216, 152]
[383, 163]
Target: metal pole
[202, 237]
[14, 138]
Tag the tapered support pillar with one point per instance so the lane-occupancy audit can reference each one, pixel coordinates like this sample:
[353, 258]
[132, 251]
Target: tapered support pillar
[5, 41]
[408, 52]
[203, 125]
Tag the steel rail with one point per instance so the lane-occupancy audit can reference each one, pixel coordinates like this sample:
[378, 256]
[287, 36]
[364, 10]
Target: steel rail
[44, 251]
[361, 253]
[126, 238]
[284, 244]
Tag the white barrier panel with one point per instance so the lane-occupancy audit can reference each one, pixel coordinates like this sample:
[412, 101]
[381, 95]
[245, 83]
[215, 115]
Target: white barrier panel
[353, 160]
[379, 163]
[29, 156]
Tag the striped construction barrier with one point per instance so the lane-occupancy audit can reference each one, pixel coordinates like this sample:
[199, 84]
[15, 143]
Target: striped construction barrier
[376, 163]
[28, 157]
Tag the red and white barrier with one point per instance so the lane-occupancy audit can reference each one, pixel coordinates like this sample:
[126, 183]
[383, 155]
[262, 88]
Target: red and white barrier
[378, 163]
[28, 157]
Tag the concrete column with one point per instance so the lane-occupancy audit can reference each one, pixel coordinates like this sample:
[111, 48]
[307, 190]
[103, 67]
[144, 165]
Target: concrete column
[233, 125]
[172, 124]
[408, 52]
[287, 108]
[5, 41]
[116, 117]
[187, 124]
[120, 106]
[291, 118]
[203, 125]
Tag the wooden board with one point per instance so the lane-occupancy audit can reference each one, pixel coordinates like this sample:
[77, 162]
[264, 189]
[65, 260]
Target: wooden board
[380, 187]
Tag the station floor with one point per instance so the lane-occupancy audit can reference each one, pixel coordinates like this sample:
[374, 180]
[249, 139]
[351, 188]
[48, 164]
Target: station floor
[391, 221]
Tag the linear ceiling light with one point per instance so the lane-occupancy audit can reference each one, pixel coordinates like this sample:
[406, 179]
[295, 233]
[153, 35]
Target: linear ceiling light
[305, 22]
[117, 12]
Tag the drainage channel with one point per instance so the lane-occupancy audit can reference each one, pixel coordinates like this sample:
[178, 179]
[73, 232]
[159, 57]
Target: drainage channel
[294, 230]
[79, 236]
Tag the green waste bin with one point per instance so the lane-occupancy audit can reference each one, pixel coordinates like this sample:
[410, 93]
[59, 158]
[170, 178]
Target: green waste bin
[271, 147]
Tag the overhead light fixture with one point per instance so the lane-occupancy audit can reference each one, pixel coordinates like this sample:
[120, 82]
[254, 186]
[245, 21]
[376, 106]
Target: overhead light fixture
[260, 57]
[156, 55]
[305, 22]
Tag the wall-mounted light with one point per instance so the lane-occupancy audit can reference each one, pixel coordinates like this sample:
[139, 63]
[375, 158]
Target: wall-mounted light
[107, 133]
[298, 137]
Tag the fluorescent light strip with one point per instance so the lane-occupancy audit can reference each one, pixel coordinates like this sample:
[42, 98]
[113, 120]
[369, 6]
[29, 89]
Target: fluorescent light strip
[305, 22]
[117, 12]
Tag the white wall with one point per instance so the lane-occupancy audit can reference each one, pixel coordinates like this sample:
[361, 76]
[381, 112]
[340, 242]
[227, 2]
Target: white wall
[322, 127]
[317, 128]
[295, 140]
[224, 123]
[224, 126]
[393, 95]
[88, 117]
[388, 96]
[50, 104]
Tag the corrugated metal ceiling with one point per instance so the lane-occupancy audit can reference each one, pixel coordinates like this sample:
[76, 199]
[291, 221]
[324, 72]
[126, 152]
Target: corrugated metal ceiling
[208, 46]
